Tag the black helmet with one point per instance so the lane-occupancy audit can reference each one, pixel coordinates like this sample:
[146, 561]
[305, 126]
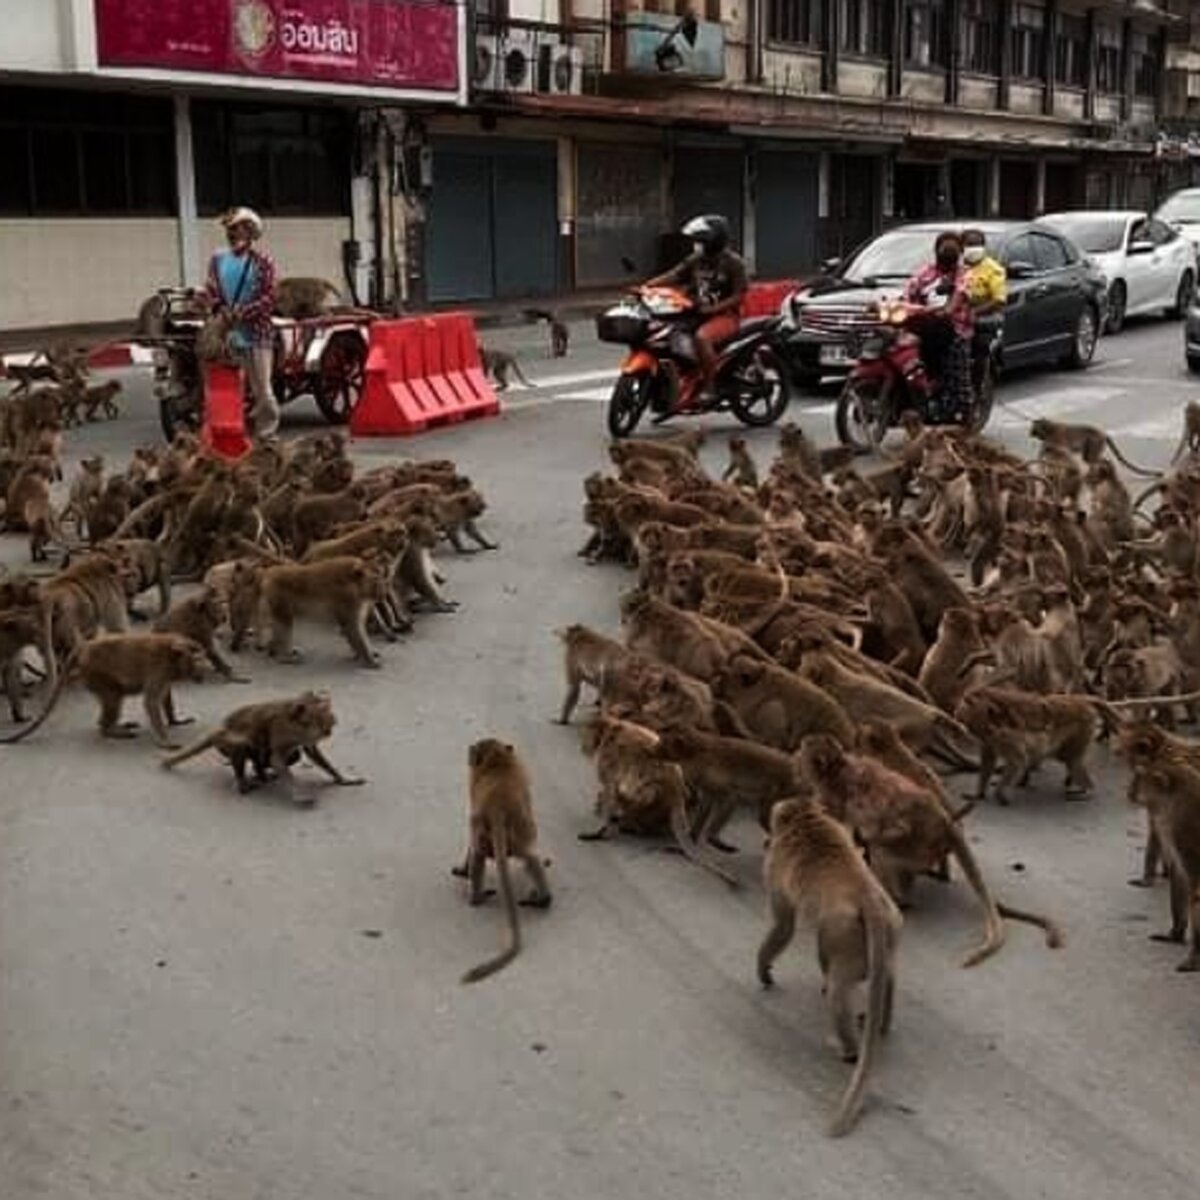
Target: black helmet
[710, 231]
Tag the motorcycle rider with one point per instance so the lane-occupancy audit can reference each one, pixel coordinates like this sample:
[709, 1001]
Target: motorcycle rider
[987, 289]
[945, 343]
[715, 278]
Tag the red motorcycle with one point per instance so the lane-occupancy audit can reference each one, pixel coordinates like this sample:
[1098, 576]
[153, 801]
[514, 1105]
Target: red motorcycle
[660, 372]
[889, 377]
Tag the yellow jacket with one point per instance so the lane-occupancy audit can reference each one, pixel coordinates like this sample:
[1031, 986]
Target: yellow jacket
[987, 283]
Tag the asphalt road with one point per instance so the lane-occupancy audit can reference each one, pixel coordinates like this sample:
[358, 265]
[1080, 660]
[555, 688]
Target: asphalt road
[209, 997]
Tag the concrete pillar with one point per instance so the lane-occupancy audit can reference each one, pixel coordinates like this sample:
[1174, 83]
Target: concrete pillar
[824, 170]
[191, 270]
[1039, 188]
[887, 190]
[749, 210]
[568, 206]
[993, 188]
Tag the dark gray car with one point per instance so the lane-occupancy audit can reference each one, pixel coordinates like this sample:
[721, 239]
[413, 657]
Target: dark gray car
[1055, 306]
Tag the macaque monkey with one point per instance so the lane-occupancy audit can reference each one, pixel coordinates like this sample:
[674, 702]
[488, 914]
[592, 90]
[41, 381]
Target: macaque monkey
[741, 467]
[560, 333]
[85, 491]
[199, 617]
[301, 297]
[102, 397]
[269, 737]
[588, 657]
[499, 364]
[812, 868]
[27, 625]
[1087, 441]
[1190, 438]
[501, 824]
[345, 589]
[117, 665]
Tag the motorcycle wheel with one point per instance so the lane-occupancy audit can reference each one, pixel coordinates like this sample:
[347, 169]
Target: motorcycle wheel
[181, 410]
[629, 400]
[863, 414]
[764, 389]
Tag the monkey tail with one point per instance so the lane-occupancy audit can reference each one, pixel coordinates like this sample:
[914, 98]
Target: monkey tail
[173, 760]
[51, 701]
[993, 925]
[1132, 466]
[948, 741]
[484, 969]
[1054, 934]
[1154, 487]
[879, 982]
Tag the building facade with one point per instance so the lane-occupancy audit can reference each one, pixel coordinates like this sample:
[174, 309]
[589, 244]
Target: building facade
[437, 152]
[128, 126]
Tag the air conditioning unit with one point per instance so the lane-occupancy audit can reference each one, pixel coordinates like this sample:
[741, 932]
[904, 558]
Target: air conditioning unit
[484, 73]
[516, 68]
[504, 62]
[560, 69]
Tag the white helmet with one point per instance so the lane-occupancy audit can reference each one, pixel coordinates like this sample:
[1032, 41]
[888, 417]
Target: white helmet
[243, 215]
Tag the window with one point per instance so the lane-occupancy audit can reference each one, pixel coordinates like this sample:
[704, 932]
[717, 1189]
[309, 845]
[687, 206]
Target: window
[1144, 52]
[1159, 232]
[981, 36]
[85, 154]
[1108, 58]
[795, 21]
[1028, 41]
[1020, 250]
[863, 29]
[1070, 51]
[280, 160]
[1048, 253]
[925, 41]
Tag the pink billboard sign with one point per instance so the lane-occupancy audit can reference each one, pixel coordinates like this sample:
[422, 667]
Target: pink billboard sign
[408, 44]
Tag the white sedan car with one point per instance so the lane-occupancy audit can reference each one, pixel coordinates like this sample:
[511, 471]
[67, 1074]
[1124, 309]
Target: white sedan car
[1149, 267]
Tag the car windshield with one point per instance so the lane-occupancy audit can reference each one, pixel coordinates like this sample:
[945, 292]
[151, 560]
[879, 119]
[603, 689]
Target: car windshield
[1184, 206]
[1093, 233]
[895, 255]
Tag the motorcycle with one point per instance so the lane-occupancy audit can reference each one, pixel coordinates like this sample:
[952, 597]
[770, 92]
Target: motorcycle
[661, 372]
[889, 377]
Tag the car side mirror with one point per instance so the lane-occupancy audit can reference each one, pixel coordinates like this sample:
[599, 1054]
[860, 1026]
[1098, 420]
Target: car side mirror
[1141, 247]
[830, 266]
[1020, 269]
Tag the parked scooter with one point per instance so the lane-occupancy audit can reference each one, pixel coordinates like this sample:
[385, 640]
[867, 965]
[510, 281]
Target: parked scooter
[889, 377]
[660, 373]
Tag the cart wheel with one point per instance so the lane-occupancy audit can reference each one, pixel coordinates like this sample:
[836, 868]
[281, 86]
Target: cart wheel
[339, 381]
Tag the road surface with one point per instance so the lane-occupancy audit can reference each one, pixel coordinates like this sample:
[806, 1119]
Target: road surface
[224, 999]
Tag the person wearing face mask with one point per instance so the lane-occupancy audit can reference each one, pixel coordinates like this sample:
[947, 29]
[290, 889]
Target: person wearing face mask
[715, 278]
[241, 283]
[987, 289]
[945, 343]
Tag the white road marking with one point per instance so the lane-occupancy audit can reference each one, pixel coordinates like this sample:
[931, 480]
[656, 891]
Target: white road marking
[1110, 364]
[562, 381]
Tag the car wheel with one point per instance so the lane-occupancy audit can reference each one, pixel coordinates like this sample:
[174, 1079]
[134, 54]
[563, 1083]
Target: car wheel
[1083, 340]
[1116, 308]
[1183, 297]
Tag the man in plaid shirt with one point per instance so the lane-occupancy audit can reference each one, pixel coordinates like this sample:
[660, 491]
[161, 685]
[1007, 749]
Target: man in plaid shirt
[241, 283]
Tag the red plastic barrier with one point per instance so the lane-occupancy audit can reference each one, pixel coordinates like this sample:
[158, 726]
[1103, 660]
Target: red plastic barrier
[422, 372]
[763, 299]
[225, 411]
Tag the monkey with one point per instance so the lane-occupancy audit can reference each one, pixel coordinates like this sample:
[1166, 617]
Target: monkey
[923, 580]
[640, 790]
[456, 515]
[315, 517]
[499, 364]
[812, 868]
[117, 665]
[86, 488]
[560, 333]
[1189, 440]
[778, 707]
[301, 297]
[102, 396]
[501, 823]
[28, 494]
[270, 736]
[1110, 521]
[741, 467]
[892, 622]
[146, 563]
[797, 451]
[1087, 441]
[658, 537]
[588, 657]
[109, 510]
[942, 673]
[88, 595]
[659, 697]
[344, 588]
[27, 625]
[1170, 791]
[723, 773]
[199, 617]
